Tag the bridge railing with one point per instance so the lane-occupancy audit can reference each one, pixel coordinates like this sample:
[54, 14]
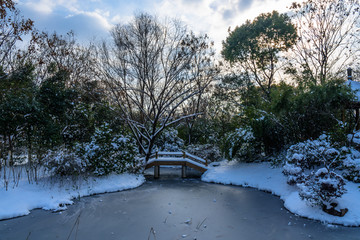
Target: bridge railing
[181, 154]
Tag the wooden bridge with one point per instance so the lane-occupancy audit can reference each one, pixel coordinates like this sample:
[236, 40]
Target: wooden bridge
[183, 159]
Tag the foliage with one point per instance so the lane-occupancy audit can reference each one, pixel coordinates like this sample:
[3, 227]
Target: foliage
[296, 114]
[256, 45]
[108, 152]
[351, 167]
[62, 53]
[319, 109]
[322, 187]
[311, 165]
[308, 155]
[209, 152]
[241, 145]
[169, 141]
[351, 162]
[56, 100]
[209, 129]
[65, 162]
[18, 110]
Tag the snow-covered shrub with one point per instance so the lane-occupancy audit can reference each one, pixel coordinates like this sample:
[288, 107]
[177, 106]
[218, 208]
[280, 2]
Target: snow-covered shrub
[307, 155]
[169, 141]
[354, 138]
[311, 166]
[108, 152]
[294, 173]
[208, 152]
[105, 153]
[351, 165]
[64, 162]
[240, 145]
[322, 187]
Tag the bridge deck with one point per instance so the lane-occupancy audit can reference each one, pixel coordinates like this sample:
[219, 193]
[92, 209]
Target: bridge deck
[176, 159]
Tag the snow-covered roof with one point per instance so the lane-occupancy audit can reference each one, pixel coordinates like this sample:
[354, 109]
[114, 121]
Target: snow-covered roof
[355, 86]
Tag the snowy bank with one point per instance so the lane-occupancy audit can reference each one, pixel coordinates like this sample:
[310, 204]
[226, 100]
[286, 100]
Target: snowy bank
[20, 200]
[263, 177]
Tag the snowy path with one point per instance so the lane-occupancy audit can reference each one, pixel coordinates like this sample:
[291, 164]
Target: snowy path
[263, 177]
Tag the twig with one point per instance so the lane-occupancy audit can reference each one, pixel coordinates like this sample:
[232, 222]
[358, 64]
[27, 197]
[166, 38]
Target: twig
[152, 231]
[75, 224]
[199, 225]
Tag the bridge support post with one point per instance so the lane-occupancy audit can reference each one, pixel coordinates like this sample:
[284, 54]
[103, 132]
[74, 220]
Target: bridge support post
[183, 171]
[156, 171]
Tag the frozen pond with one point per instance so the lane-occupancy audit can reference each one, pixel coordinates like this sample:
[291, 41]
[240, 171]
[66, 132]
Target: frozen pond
[174, 209]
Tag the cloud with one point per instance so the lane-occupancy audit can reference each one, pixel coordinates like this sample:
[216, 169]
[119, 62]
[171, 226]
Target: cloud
[192, 1]
[86, 25]
[95, 17]
[43, 6]
[244, 5]
[229, 14]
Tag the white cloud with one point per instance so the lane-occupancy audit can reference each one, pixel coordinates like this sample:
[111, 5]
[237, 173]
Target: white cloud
[53, 16]
[213, 17]
[216, 16]
[98, 16]
[43, 6]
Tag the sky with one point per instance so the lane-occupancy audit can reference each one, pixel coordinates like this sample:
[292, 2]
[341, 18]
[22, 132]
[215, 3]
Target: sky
[91, 20]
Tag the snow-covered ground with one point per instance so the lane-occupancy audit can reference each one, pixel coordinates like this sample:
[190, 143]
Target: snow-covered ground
[54, 195]
[264, 177]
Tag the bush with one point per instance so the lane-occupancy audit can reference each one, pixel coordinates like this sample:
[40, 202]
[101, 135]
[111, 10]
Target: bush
[169, 141]
[351, 165]
[65, 162]
[308, 155]
[240, 145]
[309, 164]
[108, 152]
[296, 114]
[322, 187]
[208, 152]
[352, 169]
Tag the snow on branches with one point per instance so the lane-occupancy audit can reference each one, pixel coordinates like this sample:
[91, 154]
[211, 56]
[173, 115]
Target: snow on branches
[310, 165]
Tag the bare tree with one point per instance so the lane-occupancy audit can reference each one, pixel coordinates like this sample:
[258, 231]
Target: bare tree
[12, 29]
[56, 52]
[149, 70]
[328, 37]
[204, 72]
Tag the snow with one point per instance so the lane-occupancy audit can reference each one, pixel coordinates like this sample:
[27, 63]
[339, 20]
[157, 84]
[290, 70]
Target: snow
[181, 154]
[297, 156]
[321, 171]
[55, 196]
[355, 86]
[171, 153]
[195, 157]
[267, 178]
[176, 160]
[291, 169]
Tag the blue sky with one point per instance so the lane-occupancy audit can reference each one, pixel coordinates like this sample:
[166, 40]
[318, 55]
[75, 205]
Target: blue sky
[92, 19]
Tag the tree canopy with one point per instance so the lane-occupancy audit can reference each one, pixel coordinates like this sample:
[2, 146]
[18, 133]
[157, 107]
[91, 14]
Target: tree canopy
[255, 47]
